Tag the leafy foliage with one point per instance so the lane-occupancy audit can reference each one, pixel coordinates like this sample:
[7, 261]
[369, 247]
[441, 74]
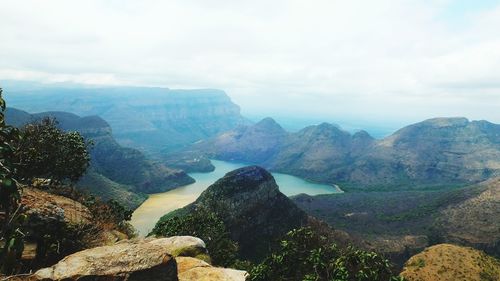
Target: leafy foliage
[11, 220]
[47, 151]
[208, 227]
[305, 255]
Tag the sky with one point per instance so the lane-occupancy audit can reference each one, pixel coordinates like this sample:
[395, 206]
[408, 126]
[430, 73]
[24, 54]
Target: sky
[385, 62]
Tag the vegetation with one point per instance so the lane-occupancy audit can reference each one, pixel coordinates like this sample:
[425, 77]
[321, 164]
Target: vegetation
[37, 150]
[452, 262]
[46, 151]
[209, 228]
[11, 220]
[305, 255]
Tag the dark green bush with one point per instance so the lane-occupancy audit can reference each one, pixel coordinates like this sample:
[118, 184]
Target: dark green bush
[46, 151]
[206, 226]
[305, 255]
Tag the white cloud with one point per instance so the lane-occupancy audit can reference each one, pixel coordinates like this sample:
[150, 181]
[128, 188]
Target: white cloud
[374, 60]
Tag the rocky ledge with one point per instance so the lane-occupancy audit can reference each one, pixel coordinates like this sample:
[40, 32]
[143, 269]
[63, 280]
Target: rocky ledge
[181, 258]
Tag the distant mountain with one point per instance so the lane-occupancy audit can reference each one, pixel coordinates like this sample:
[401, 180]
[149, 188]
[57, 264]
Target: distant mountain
[434, 153]
[145, 118]
[116, 172]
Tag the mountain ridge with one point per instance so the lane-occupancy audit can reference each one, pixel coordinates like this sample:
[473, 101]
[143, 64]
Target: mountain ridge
[434, 153]
[152, 119]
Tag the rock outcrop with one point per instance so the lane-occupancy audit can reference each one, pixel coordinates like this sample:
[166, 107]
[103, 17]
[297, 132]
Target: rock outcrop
[446, 262]
[169, 259]
[252, 208]
[57, 216]
[48, 208]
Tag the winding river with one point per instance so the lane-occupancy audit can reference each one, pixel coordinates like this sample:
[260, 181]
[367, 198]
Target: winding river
[146, 216]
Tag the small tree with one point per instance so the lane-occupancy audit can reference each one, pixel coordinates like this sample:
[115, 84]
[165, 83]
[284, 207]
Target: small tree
[47, 151]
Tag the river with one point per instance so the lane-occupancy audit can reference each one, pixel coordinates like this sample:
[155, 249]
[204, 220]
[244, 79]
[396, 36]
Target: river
[146, 216]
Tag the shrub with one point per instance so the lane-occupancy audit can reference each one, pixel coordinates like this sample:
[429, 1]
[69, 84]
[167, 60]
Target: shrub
[206, 226]
[45, 151]
[305, 255]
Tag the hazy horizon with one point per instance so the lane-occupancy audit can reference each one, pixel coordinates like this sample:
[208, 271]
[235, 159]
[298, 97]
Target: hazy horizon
[378, 62]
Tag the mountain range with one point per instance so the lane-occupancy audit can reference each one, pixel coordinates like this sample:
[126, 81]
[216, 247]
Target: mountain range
[432, 154]
[152, 120]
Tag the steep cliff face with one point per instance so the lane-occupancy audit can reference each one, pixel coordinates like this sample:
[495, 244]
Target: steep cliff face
[116, 172]
[151, 119]
[433, 153]
[253, 209]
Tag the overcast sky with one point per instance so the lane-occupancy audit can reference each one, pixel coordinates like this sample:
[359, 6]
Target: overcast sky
[380, 61]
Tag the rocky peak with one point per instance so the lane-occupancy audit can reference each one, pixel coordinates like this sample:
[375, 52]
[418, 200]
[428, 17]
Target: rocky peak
[246, 179]
[253, 209]
[326, 130]
[362, 134]
[269, 125]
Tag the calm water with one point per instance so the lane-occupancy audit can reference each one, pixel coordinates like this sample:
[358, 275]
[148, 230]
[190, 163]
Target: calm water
[146, 216]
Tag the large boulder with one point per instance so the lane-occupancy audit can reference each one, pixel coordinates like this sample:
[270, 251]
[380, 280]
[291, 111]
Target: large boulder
[191, 269]
[145, 259]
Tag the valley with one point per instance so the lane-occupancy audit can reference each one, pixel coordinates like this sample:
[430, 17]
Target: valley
[250, 140]
[429, 183]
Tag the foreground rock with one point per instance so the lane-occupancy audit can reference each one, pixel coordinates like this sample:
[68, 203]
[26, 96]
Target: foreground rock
[448, 262]
[150, 259]
[191, 269]
[168, 259]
